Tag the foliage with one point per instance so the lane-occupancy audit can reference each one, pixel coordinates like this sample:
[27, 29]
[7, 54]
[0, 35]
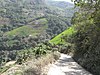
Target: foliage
[87, 38]
[21, 56]
[56, 25]
[59, 39]
[22, 19]
[24, 25]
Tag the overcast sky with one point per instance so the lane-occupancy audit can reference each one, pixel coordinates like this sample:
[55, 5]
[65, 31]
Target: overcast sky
[64, 0]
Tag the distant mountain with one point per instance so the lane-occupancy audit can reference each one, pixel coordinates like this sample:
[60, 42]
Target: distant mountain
[33, 1]
[60, 4]
[68, 8]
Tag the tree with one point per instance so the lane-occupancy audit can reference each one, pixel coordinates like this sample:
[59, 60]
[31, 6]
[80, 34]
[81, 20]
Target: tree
[87, 38]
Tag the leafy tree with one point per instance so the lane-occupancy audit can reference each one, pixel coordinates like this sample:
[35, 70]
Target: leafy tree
[87, 38]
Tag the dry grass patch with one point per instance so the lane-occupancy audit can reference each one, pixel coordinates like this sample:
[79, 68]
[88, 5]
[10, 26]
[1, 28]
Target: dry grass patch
[38, 66]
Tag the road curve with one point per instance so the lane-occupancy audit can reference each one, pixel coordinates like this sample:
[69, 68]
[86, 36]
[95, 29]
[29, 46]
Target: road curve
[66, 66]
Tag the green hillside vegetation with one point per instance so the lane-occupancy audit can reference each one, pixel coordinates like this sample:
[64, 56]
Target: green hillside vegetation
[22, 37]
[59, 39]
[26, 31]
[21, 31]
[20, 19]
[25, 25]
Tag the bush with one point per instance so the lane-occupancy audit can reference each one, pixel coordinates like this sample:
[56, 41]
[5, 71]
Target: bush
[38, 66]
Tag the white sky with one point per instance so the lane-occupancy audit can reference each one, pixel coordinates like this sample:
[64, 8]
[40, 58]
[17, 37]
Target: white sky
[64, 0]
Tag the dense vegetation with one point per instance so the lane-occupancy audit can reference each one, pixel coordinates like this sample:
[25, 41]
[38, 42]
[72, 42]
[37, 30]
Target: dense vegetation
[86, 40]
[25, 24]
[60, 39]
[26, 27]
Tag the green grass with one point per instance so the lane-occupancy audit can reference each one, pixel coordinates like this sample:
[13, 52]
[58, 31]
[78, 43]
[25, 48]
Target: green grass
[25, 31]
[22, 31]
[58, 39]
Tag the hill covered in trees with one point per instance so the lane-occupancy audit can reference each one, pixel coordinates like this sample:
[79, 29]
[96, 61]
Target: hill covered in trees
[25, 24]
[35, 14]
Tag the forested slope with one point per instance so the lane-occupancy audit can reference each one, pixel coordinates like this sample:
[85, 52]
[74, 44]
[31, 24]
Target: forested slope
[26, 26]
[35, 14]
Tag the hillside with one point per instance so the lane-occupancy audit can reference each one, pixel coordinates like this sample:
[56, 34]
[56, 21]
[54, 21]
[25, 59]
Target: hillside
[68, 8]
[15, 14]
[25, 24]
[61, 4]
[59, 39]
[33, 34]
[23, 12]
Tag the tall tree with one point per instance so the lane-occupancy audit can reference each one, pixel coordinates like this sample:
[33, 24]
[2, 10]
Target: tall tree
[87, 38]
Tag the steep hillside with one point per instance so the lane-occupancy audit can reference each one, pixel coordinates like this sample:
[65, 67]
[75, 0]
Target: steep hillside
[25, 31]
[26, 23]
[59, 39]
[23, 12]
[67, 7]
[22, 36]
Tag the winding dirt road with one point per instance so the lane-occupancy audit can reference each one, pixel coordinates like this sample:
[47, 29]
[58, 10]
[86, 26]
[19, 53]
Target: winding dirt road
[67, 66]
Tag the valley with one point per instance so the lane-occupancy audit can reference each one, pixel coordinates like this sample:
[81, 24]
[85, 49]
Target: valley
[35, 34]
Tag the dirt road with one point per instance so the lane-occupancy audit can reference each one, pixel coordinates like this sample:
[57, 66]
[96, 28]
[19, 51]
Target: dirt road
[67, 66]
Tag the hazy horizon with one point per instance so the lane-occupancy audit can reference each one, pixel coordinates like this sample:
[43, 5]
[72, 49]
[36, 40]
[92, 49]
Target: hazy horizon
[64, 0]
